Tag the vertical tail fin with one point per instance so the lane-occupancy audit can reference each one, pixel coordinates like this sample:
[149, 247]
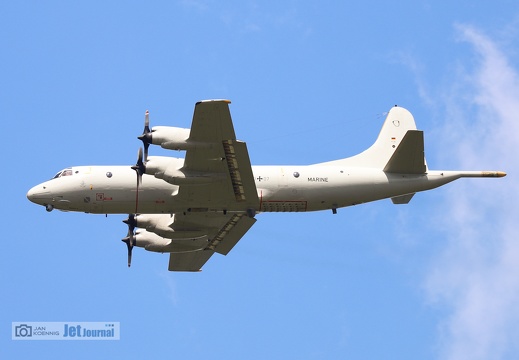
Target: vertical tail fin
[398, 122]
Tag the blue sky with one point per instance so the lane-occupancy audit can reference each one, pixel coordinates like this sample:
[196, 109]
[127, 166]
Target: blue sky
[434, 279]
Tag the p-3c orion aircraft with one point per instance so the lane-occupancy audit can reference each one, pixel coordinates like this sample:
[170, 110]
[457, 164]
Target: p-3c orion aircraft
[205, 202]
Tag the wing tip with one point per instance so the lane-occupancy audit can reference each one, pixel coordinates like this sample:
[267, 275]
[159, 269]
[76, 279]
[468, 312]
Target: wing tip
[214, 100]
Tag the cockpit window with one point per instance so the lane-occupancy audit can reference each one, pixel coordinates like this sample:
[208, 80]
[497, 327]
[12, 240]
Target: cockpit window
[66, 172]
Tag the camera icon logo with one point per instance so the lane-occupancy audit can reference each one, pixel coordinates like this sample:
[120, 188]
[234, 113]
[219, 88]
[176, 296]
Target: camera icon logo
[23, 330]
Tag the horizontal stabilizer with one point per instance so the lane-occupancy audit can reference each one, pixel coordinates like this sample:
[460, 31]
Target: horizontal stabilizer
[403, 199]
[408, 158]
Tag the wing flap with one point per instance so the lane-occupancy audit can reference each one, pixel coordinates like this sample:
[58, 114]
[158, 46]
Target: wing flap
[231, 233]
[240, 171]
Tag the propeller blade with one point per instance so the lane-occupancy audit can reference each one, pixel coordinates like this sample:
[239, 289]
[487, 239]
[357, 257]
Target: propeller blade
[139, 167]
[130, 238]
[146, 136]
[130, 256]
[129, 243]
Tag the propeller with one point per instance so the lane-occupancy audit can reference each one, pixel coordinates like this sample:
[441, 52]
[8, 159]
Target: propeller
[130, 238]
[140, 169]
[146, 136]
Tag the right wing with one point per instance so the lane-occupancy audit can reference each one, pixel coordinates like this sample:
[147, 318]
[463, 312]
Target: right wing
[217, 155]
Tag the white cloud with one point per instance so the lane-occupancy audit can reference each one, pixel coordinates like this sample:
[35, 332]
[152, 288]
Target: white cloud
[170, 286]
[198, 5]
[476, 277]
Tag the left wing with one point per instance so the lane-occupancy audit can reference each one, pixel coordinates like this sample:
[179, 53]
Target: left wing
[223, 232]
[191, 238]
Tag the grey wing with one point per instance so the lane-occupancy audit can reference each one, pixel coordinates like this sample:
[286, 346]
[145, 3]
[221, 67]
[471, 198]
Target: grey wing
[222, 231]
[216, 155]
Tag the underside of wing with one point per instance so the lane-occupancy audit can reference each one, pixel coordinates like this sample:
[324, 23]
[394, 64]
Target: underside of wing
[189, 261]
[216, 196]
[191, 238]
[217, 154]
[223, 233]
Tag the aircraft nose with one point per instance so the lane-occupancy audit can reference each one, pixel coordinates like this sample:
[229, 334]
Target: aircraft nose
[39, 194]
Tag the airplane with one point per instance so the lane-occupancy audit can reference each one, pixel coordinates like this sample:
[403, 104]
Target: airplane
[204, 203]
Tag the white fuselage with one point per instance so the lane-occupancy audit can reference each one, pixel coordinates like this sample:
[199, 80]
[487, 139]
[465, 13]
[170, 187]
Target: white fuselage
[112, 189]
[204, 203]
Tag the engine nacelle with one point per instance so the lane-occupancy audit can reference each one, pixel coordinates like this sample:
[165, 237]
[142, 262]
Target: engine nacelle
[156, 223]
[151, 241]
[170, 170]
[171, 138]
[160, 224]
[156, 243]
[160, 165]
